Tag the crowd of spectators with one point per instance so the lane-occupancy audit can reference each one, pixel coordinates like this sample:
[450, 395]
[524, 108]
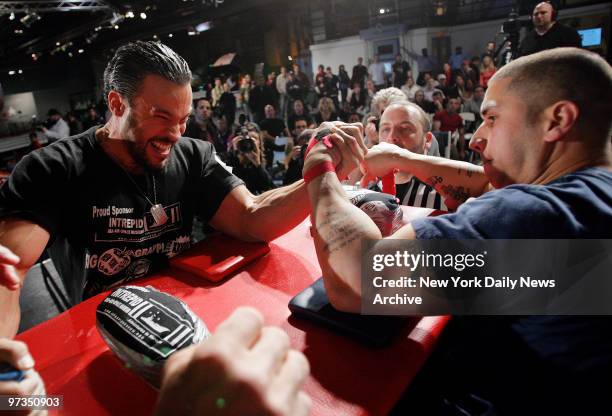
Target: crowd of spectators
[256, 122]
[275, 108]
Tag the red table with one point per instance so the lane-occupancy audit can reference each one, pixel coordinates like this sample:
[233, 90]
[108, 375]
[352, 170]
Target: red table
[346, 378]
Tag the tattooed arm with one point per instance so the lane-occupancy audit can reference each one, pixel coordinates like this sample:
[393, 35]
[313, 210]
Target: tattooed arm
[456, 181]
[339, 226]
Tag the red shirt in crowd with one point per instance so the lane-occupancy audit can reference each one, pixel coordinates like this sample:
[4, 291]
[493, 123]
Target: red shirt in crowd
[448, 122]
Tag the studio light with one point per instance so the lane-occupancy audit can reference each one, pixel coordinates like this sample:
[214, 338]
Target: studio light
[30, 18]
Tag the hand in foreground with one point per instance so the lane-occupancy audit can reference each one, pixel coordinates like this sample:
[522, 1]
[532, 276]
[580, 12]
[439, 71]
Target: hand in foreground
[16, 354]
[347, 152]
[8, 275]
[243, 369]
[379, 161]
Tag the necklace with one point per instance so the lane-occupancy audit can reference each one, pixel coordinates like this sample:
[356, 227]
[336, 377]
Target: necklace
[157, 210]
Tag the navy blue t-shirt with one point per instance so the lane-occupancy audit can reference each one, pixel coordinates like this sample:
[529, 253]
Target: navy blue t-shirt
[577, 205]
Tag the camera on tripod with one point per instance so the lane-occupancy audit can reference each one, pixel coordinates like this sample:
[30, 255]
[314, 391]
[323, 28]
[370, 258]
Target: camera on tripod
[511, 28]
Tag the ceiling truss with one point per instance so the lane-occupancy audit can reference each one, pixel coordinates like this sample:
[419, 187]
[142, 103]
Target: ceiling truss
[52, 6]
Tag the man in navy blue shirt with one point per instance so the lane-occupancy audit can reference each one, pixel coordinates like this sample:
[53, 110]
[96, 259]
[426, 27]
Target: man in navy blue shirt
[546, 173]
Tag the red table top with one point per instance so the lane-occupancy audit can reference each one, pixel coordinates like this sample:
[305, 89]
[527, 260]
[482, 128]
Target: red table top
[346, 377]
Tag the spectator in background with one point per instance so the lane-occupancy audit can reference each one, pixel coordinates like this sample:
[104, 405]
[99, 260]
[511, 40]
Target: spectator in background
[456, 59]
[424, 103]
[227, 104]
[401, 69]
[449, 120]
[443, 84]
[301, 77]
[360, 72]
[438, 100]
[469, 72]
[327, 111]
[343, 83]
[56, 128]
[295, 90]
[216, 92]
[384, 98]
[299, 111]
[370, 93]
[295, 160]
[248, 160]
[410, 88]
[475, 65]
[377, 73]
[261, 96]
[331, 86]
[245, 95]
[92, 119]
[281, 87]
[547, 33]
[271, 84]
[487, 70]
[226, 131]
[74, 123]
[430, 88]
[489, 51]
[460, 88]
[427, 64]
[357, 98]
[473, 104]
[201, 126]
[354, 118]
[319, 79]
[272, 128]
[448, 73]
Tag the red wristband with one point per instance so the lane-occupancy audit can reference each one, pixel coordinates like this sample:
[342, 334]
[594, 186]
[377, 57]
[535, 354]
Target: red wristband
[318, 170]
[325, 140]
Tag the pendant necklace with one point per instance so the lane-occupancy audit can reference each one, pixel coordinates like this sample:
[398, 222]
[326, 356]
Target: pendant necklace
[157, 210]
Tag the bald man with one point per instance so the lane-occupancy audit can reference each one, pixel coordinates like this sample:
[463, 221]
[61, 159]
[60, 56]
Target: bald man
[547, 33]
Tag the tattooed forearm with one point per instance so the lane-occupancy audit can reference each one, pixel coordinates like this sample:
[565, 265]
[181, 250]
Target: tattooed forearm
[337, 231]
[434, 180]
[469, 172]
[458, 193]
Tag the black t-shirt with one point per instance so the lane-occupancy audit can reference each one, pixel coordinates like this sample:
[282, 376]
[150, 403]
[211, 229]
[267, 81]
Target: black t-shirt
[558, 35]
[400, 70]
[274, 126]
[102, 231]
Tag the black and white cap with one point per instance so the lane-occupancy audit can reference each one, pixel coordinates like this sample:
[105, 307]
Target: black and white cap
[144, 326]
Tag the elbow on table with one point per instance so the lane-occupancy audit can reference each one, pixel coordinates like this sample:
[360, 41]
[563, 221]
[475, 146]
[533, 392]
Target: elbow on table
[341, 296]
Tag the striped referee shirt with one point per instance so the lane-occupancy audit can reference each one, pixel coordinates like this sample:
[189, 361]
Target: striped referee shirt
[415, 193]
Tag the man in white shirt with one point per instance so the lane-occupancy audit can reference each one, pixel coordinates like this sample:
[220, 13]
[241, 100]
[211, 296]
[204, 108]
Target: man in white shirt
[59, 129]
[281, 87]
[377, 73]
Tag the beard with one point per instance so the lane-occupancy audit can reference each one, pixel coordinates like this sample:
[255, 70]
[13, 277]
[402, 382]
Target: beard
[137, 147]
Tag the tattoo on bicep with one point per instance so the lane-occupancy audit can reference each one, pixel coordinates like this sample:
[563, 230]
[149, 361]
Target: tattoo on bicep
[458, 193]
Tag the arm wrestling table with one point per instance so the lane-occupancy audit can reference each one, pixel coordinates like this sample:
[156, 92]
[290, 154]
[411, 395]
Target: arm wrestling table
[346, 377]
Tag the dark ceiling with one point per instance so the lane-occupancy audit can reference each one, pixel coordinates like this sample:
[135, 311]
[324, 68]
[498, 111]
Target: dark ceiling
[71, 29]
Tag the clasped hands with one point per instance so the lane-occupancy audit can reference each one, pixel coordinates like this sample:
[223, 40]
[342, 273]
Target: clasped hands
[349, 152]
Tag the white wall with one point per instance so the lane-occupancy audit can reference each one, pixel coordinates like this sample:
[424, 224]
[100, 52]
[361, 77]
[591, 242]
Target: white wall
[343, 51]
[20, 107]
